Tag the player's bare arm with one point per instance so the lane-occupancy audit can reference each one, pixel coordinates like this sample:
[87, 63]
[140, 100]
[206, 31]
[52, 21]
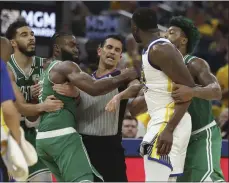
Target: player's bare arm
[70, 72]
[170, 61]
[209, 89]
[50, 104]
[12, 119]
[138, 106]
[67, 89]
[131, 92]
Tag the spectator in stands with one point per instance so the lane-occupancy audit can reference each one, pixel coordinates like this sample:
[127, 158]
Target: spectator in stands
[129, 127]
[224, 123]
[132, 53]
[79, 12]
[222, 76]
[218, 48]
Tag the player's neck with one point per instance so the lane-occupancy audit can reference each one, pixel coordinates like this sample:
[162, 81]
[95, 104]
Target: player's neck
[148, 38]
[183, 51]
[22, 60]
[102, 70]
[57, 57]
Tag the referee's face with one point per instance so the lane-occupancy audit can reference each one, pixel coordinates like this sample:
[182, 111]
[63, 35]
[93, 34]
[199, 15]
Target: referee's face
[110, 53]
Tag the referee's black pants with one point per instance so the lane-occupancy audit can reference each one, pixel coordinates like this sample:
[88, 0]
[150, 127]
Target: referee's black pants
[107, 156]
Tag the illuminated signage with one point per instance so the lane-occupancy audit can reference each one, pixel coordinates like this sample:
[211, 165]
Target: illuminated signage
[42, 23]
[101, 26]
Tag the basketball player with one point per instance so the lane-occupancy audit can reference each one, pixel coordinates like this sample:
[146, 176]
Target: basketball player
[58, 144]
[204, 150]
[10, 112]
[100, 129]
[8, 109]
[24, 69]
[10, 127]
[168, 132]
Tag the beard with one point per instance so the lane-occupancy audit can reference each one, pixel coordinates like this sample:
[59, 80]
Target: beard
[25, 52]
[68, 56]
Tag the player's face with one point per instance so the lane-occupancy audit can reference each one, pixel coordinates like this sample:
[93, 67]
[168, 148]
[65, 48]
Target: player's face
[110, 53]
[129, 128]
[25, 41]
[135, 32]
[175, 35]
[69, 49]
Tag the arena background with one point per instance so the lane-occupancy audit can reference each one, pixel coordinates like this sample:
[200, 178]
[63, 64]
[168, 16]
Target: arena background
[92, 21]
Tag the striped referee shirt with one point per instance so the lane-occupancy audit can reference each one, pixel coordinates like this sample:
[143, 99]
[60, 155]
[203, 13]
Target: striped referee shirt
[93, 119]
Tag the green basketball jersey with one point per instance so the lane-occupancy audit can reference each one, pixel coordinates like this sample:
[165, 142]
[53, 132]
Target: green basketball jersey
[23, 81]
[63, 118]
[200, 109]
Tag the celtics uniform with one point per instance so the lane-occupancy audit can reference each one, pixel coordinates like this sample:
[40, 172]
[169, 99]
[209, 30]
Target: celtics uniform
[24, 82]
[204, 150]
[58, 144]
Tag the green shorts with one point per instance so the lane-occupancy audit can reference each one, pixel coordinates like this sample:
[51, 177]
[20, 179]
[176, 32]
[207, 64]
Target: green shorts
[39, 167]
[66, 157]
[202, 161]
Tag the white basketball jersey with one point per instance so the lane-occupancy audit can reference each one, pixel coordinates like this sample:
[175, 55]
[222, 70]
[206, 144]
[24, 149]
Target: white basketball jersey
[158, 95]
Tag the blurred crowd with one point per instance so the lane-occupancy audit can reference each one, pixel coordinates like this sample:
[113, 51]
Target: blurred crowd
[210, 17]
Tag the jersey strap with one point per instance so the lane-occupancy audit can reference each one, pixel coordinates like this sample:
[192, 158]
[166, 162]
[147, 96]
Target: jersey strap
[160, 40]
[188, 58]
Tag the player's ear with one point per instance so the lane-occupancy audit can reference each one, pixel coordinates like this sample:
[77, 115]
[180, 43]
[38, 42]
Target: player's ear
[13, 43]
[184, 41]
[56, 48]
[99, 49]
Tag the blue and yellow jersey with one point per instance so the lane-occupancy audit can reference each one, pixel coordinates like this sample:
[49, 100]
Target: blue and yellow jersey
[6, 94]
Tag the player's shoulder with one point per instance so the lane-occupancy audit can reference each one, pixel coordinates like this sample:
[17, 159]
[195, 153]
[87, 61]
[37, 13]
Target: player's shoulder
[161, 46]
[163, 50]
[67, 66]
[198, 62]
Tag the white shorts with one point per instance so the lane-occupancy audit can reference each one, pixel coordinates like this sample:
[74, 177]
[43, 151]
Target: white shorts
[176, 158]
[4, 139]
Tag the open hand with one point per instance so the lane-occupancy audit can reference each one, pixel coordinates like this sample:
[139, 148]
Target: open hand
[131, 73]
[113, 104]
[51, 104]
[35, 89]
[164, 142]
[66, 90]
[182, 93]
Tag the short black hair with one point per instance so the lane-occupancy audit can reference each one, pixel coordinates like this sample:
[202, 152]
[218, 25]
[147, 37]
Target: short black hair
[145, 19]
[12, 29]
[116, 37]
[58, 35]
[191, 32]
[128, 117]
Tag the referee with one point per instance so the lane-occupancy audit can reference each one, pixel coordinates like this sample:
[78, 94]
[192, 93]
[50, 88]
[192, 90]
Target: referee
[101, 130]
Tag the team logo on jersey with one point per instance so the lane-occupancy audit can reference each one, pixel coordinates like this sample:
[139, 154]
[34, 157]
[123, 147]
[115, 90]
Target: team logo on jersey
[36, 78]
